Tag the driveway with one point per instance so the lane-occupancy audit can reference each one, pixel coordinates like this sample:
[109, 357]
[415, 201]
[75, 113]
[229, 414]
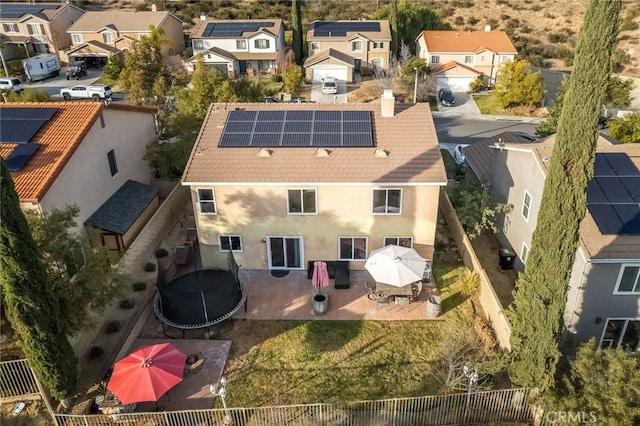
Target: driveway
[552, 80]
[323, 98]
[53, 85]
[465, 107]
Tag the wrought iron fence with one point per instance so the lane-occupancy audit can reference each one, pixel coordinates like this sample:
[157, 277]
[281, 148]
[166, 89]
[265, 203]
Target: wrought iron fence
[17, 379]
[457, 409]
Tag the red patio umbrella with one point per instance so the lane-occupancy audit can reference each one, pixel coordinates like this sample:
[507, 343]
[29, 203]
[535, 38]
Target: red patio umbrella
[147, 374]
[320, 277]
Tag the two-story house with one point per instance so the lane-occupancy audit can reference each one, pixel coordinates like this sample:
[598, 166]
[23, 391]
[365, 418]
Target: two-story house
[81, 153]
[457, 58]
[603, 299]
[282, 184]
[98, 35]
[35, 27]
[339, 49]
[237, 47]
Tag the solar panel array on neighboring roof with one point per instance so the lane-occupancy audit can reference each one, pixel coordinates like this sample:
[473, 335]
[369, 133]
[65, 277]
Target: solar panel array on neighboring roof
[232, 29]
[297, 129]
[340, 29]
[17, 10]
[19, 125]
[20, 155]
[613, 195]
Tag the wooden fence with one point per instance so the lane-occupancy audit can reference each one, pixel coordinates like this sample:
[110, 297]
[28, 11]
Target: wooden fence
[17, 380]
[455, 409]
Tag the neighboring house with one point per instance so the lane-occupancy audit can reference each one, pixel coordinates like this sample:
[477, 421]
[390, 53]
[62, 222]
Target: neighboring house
[283, 184]
[237, 47]
[36, 28]
[603, 298]
[82, 153]
[339, 49]
[98, 35]
[459, 57]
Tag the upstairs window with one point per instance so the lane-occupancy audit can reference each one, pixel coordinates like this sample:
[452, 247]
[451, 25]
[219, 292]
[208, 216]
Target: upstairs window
[106, 38]
[468, 60]
[198, 45]
[10, 28]
[301, 201]
[378, 45]
[315, 46]
[387, 201]
[241, 44]
[230, 242]
[76, 38]
[628, 280]
[435, 59]
[113, 163]
[35, 29]
[261, 43]
[526, 206]
[356, 46]
[206, 201]
[502, 59]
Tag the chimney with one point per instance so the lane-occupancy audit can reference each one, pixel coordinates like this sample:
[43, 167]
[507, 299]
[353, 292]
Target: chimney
[203, 17]
[154, 8]
[388, 103]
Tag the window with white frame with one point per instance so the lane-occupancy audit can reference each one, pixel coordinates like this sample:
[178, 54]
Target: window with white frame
[198, 45]
[315, 46]
[468, 60]
[352, 248]
[113, 162]
[398, 241]
[76, 38]
[34, 29]
[241, 44]
[301, 201]
[435, 59]
[524, 253]
[230, 242]
[378, 45]
[387, 201]
[261, 43]
[526, 205]
[502, 59]
[621, 333]
[206, 201]
[106, 38]
[376, 63]
[356, 46]
[628, 280]
[10, 28]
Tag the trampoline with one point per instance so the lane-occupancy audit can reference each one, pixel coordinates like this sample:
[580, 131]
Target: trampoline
[200, 299]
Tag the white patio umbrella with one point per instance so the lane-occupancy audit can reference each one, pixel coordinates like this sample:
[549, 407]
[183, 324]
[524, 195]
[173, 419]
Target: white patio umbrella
[395, 265]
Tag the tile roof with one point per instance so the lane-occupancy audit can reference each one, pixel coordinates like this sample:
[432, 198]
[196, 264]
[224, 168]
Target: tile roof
[594, 244]
[453, 64]
[124, 21]
[383, 34]
[467, 41]
[329, 53]
[58, 139]
[121, 210]
[409, 137]
[196, 32]
[480, 157]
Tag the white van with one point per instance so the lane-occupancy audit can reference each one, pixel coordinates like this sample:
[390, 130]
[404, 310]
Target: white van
[10, 83]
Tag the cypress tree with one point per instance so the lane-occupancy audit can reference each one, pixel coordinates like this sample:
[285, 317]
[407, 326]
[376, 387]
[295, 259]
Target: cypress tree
[393, 22]
[296, 22]
[540, 295]
[28, 298]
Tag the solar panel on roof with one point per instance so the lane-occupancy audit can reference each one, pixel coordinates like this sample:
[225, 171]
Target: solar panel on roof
[269, 126]
[606, 218]
[299, 115]
[356, 116]
[17, 113]
[356, 127]
[340, 29]
[633, 187]
[266, 139]
[271, 115]
[327, 115]
[296, 139]
[595, 194]
[614, 190]
[22, 133]
[620, 163]
[298, 126]
[20, 155]
[326, 127]
[233, 29]
[18, 10]
[242, 115]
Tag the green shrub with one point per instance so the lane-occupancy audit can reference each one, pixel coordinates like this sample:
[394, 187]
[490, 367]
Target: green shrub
[472, 20]
[459, 20]
[113, 68]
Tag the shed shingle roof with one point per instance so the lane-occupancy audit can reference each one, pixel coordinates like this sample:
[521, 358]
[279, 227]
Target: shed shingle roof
[409, 137]
[58, 139]
[467, 41]
[121, 210]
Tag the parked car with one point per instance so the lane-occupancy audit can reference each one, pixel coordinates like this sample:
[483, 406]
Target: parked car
[329, 85]
[271, 100]
[11, 83]
[96, 92]
[76, 70]
[446, 97]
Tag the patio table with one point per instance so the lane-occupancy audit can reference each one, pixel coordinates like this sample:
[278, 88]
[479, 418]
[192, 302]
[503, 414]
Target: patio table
[386, 290]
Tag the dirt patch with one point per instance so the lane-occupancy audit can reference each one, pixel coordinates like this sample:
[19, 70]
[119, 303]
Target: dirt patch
[486, 247]
[33, 414]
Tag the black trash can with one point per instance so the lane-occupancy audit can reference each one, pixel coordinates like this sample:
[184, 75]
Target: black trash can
[507, 258]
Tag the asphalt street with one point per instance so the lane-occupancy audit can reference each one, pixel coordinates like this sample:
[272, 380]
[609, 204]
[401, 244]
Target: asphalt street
[461, 130]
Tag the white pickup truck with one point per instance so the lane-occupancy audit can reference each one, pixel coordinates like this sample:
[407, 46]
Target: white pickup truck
[97, 92]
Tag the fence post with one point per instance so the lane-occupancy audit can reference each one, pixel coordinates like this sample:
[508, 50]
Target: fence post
[45, 396]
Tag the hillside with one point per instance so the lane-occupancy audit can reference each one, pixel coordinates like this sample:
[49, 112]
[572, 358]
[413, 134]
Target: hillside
[544, 31]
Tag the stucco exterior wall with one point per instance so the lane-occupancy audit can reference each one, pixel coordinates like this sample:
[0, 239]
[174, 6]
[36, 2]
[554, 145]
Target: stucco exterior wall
[86, 179]
[230, 44]
[257, 212]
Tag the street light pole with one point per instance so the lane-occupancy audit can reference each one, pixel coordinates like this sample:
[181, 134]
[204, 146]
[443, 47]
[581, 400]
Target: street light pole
[220, 389]
[415, 87]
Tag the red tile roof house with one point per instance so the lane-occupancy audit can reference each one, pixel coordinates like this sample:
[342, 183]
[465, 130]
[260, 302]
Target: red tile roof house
[283, 184]
[457, 58]
[85, 153]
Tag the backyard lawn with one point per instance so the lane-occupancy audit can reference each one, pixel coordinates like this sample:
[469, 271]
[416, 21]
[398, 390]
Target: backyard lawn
[296, 362]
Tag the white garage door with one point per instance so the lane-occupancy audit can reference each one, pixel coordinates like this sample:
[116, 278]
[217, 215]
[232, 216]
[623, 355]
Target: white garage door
[335, 71]
[456, 84]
